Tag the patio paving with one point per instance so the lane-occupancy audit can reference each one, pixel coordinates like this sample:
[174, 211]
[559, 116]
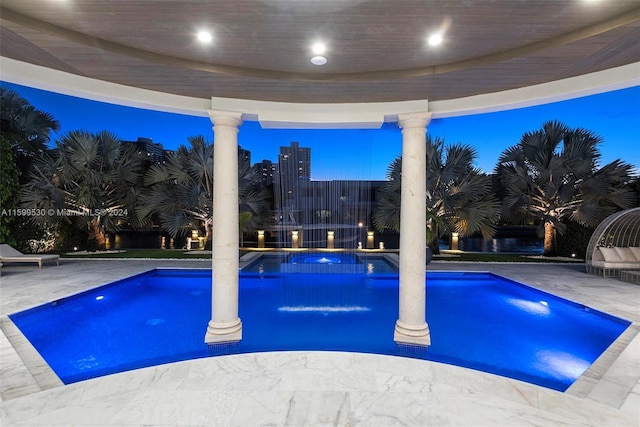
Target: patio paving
[313, 388]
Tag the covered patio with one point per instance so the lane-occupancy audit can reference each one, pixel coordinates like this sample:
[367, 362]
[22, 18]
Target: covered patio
[382, 64]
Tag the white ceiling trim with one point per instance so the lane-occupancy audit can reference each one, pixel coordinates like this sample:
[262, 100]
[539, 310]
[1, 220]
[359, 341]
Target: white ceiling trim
[44, 78]
[320, 116]
[560, 90]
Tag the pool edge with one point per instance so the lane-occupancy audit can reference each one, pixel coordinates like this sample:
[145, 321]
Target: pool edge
[42, 374]
[587, 382]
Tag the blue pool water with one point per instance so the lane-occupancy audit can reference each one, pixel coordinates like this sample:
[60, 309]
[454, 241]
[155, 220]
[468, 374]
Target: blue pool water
[321, 263]
[323, 258]
[477, 320]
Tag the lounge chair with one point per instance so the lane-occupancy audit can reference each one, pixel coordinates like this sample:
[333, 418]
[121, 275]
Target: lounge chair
[11, 255]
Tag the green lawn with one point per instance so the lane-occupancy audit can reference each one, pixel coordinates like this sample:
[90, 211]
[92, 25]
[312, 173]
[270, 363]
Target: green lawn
[145, 253]
[493, 257]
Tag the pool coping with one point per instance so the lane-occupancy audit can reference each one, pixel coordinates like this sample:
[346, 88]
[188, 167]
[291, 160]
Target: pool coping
[589, 379]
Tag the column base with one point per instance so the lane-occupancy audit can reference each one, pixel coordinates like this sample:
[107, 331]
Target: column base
[223, 332]
[412, 334]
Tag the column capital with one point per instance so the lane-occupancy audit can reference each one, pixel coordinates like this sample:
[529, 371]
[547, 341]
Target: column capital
[414, 120]
[225, 118]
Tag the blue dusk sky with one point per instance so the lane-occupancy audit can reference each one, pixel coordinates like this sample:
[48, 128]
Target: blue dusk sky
[365, 153]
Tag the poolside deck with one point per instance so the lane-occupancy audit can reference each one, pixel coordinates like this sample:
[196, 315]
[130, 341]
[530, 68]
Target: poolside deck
[313, 388]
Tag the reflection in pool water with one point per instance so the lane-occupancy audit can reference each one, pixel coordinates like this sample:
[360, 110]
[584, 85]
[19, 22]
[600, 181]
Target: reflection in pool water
[321, 260]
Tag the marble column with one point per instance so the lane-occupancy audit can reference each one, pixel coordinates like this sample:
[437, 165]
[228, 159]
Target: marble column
[225, 325]
[411, 327]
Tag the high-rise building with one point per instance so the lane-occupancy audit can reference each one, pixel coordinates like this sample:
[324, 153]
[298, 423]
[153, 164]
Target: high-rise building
[154, 151]
[294, 167]
[294, 163]
[267, 172]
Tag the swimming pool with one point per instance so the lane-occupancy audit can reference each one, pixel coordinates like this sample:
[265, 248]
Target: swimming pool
[322, 263]
[477, 320]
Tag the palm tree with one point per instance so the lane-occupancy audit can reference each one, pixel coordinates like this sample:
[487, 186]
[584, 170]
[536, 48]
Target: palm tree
[89, 179]
[180, 191]
[552, 174]
[24, 126]
[458, 195]
[254, 200]
[26, 133]
[9, 191]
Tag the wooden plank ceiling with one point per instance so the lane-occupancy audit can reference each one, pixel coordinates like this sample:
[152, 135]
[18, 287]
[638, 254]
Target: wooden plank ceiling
[376, 50]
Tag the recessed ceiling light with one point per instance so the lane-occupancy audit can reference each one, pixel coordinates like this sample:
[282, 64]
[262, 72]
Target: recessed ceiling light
[318, 60]
[435, 39]
[319, 48]
[204, 36]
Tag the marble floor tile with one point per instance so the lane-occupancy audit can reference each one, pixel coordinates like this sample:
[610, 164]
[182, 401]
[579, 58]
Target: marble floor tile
[16, 379]
[312, 388]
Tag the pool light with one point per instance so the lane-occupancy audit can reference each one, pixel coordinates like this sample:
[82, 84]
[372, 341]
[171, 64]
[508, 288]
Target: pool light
[537, 309]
